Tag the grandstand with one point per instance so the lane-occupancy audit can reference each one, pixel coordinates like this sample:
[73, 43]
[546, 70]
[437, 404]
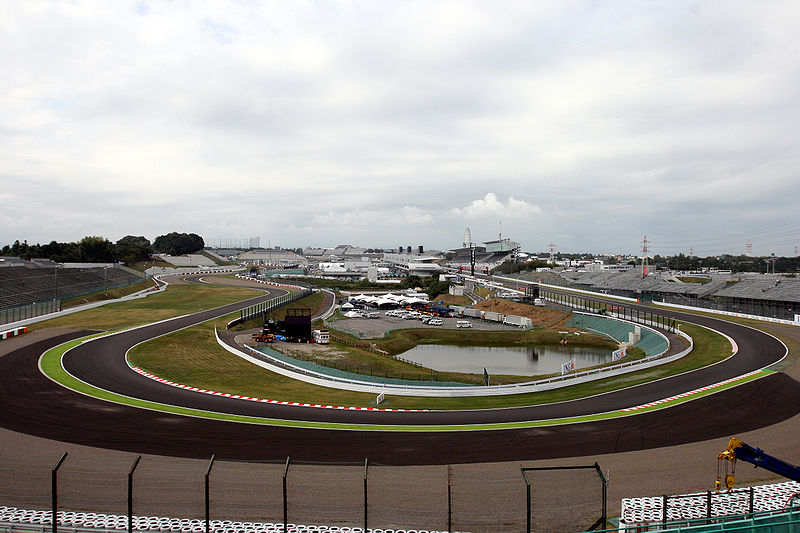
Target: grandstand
[748, 507]
[483, 257]
[31, 283]
[190, 260]
[38, 520]
[772, 288]
[631, 283]
[775, 296]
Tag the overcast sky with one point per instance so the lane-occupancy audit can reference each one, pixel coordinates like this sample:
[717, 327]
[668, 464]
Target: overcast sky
[387, 123]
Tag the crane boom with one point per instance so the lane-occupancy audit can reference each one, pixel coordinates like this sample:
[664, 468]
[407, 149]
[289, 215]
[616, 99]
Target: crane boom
[739, 450]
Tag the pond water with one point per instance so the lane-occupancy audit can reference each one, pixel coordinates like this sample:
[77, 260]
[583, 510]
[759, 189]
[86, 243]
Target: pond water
[517, 361]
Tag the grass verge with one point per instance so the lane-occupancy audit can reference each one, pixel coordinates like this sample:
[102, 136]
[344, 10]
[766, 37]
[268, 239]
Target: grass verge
[177, 300]
[50, 363]
[192, 357]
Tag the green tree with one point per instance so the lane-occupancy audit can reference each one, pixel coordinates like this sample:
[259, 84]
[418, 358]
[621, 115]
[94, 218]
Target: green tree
[131, 249]
[96, 250]
[178, 243]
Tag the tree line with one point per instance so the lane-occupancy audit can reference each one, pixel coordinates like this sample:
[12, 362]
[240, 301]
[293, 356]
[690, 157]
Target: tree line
[92, 249]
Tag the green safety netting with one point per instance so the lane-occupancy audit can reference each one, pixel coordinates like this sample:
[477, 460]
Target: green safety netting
[651, 343]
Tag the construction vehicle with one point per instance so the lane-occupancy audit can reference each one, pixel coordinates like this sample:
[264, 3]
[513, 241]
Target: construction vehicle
[738, 450]
[263, 336]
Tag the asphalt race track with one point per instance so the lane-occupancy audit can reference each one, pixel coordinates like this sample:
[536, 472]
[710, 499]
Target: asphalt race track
[31, 403]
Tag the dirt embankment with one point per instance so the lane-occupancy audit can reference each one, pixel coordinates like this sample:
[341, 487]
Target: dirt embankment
[540, 316]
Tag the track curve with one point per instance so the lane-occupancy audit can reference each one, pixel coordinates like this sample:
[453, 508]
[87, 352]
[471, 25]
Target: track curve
[33, 404]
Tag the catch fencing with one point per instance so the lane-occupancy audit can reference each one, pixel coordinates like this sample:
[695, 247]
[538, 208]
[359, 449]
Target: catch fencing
[613, 310]
[216, 494]
[260, 309]
[9, 315]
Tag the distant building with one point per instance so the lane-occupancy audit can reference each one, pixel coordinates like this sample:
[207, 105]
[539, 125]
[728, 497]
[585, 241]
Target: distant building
[414, 264]
[503, 245]
[272, 257]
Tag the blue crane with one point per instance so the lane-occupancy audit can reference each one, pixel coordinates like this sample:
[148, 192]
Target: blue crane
[738, 450]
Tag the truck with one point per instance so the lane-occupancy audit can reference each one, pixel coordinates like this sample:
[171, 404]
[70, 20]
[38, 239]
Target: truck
[518, 321]
[321, 336]
[474, 313]
[493, 316]
[738, 450]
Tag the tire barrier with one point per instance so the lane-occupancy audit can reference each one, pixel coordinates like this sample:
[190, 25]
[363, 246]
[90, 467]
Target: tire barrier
[13, 332]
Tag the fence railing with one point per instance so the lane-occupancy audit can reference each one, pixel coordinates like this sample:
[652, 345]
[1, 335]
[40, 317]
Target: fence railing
[254, 311]
[613, 310]
[225, 496]
[23, 312]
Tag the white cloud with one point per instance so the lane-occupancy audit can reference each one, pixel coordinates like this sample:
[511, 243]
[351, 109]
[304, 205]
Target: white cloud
[388, 120]
[489, 205]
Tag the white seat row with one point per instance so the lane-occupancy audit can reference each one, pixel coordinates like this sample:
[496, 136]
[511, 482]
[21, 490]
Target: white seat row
[690, 506]
[110, 522]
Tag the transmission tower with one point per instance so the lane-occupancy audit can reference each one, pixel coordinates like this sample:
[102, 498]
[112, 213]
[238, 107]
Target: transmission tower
[644, 256]
[749, 249]
[552, 251]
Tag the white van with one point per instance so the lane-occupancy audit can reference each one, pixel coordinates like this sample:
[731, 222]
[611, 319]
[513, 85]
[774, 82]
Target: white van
[463, 324]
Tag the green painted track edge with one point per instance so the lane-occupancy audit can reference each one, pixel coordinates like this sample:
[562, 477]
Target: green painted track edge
[50, 363]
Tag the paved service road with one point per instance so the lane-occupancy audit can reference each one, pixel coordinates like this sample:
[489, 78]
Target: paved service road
[31, 403]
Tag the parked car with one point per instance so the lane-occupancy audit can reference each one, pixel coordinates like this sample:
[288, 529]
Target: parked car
[435, 322]
[463, 324]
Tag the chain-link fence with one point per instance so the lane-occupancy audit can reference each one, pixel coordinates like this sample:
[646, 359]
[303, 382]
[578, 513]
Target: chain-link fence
[474, 498]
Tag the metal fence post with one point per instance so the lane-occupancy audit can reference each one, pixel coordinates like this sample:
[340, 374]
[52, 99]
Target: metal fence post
[664, 502]
[366, 469]
[527, 501]
[54, 490]
[449, 499]
[208, 506]
[605, 498]
[130, 494]
[285, 505]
